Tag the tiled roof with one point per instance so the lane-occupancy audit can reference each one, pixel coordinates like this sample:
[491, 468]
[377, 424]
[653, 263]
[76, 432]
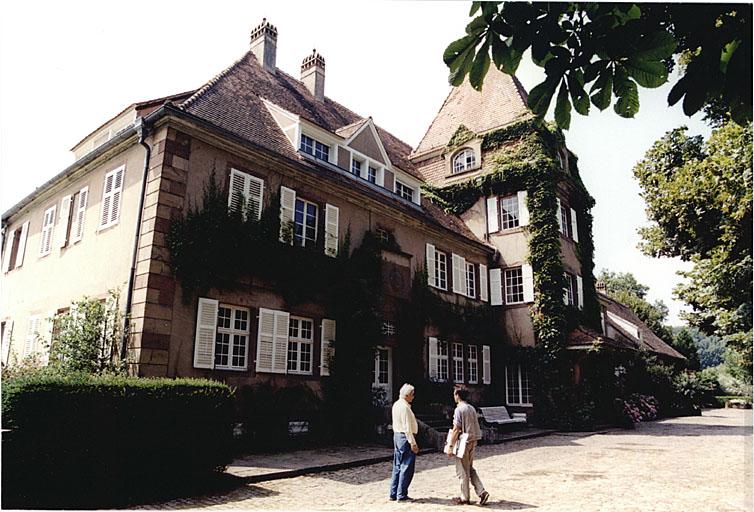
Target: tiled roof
[448, 221]
[584, 337]
[233, 100]
[501, 101]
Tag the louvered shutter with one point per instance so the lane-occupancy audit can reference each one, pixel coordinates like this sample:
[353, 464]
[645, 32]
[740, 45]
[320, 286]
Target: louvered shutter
[433, 356]
[10, 236]
[528, 278]
[47, 338]
[107, 199]
[327, 349]
[523, 209]
[265, 340]
[117, 192]
[580, 291]
[574, 226]
[486, 365]
[287, 209]
[565, 290]
[255, 197]
[280, 342]
[77, 229]
[7, 337]
[65, 213]
[483, 283]
[496, 287]
[431, 265]
[557, 214]
[206, 330]
[459, 274]
[31, 335]
[22, 244]
[238, 191]
[493, 219]
[331, 230]
[48, 225]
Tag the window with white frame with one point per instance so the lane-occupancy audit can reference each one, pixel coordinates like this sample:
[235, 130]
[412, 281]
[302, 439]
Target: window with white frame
[568, 296]
[232, 338]
[388, 329]
[464, 161]
[514, 286]
[442, 361]
[517, 385]
[111, 197]
[300, 341]
[565, 220]
[372, 175]
[305, 223]
[356, 167]
[381, 369]
[48, 224]
[441, 270]
[473, 364]
[315, 148]
[509, 212]
[457, 362]
[470, 280]
[404, 191]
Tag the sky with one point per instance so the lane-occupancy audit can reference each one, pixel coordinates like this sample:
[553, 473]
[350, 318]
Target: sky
[67, 67]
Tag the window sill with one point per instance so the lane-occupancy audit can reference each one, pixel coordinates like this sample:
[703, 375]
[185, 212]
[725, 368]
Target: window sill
[518, 405]
[102, 229]
[229, 368]
[464, 173]
[509, 231]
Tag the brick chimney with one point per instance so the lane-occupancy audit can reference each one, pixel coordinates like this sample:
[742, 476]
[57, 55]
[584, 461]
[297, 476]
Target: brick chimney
[313, 75]
[264, 44]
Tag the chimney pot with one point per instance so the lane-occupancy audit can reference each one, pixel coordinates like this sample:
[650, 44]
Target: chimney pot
[313, 75]
[264, 44]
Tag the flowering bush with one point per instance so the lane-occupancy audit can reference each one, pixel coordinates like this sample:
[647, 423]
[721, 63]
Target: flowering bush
[639, 408]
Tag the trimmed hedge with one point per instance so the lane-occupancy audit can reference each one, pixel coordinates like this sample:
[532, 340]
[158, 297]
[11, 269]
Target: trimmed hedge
[82, 440]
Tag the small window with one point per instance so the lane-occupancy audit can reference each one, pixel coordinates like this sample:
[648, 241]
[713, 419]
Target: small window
[464, 161]
[441, 270]
[568, 296]
[232, 338]
[509, 212]
[315, 148]
[404, 191]
[442, 361]
[471, 280]
[300, 341]
[356, 167]
[517, 385]
[305, 223]
[457, 362]
[388, 329]
[473, 365]
[372, 175]
[565, 220]
[514, 286]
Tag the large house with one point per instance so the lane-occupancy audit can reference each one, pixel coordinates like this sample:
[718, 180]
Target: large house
[270, 138]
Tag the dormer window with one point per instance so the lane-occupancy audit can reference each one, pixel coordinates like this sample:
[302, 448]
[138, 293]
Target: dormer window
[315, 148]
[404, 191]
[464, 161]
[356, 167]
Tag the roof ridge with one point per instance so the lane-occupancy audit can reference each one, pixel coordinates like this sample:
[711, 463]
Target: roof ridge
[203, 89]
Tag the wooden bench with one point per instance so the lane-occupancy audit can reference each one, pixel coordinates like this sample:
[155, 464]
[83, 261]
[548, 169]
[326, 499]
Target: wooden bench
[498, 415]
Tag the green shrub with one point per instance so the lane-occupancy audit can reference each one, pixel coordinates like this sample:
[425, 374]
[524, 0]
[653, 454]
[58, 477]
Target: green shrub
[80, 440]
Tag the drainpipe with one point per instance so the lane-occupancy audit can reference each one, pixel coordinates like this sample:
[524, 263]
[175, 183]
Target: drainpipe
[142, 130]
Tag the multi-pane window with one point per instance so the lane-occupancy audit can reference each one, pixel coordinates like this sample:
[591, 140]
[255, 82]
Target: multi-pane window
[404, 191]
[315, 148]
[300, 341]
[464, 161]
[517, 385]
[232, 338]
[388, 329]
[471, 280]
[473, 365]
[441, 270]
[568, 292]
[509, 212]
[457, 362]
[381, 371]
[356, 167]
[514, 286]
[565, 220]
[305, 223]
[372, 175]
[442, 360]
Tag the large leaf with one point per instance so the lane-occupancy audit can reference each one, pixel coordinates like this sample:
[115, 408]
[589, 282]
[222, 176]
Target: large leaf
[578, 94]
[628, 102]
[677, 92]
[500, 51]
[474, 8]
[457, 48]
[541, 96]
[593, 69]
[602, 90]
[476, 26]
[563, 108]
[647, 73]
[655, 46]
[511, 61]
[463, 67]
[480, 67]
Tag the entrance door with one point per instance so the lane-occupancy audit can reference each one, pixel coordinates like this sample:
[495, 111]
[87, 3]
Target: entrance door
[382, 375]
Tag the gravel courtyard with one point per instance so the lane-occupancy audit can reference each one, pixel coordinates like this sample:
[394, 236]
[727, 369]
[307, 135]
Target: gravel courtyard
[683, 464]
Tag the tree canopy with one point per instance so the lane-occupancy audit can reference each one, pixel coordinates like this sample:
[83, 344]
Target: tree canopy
[594, 52]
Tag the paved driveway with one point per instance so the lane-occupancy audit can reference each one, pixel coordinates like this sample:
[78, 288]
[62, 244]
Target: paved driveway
[683, 464]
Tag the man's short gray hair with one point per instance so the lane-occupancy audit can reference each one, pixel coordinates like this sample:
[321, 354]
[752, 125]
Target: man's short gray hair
[406, 390]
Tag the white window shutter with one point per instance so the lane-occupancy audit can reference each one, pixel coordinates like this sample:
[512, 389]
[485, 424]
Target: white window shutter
[22, 244]
[580, 291]
[31, 335]
[77, 229]
[280, 342]
[107, 192]
[459, 274]
[327, 349]
[528, 277]
[265, 340]
[332, 214]
[565, 290]
[255, 196]
[65, 213]
[496, 287]
[47, 338]
[557, 214]
[493, 219]
[238, 191]
[48, 227]
[287, 209]
[431, 263]
[486, 366]
[9, 237]
[7, 337]
[483, 283]
[117, 193]
[523, 209]
[433, 358]
[206, 329]
[574, 226]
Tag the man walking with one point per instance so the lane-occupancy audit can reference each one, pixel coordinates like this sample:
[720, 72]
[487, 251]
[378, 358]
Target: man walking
[465, 421]
[404, 442]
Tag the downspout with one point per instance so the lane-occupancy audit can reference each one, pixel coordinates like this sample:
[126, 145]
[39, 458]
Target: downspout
[142, 130]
